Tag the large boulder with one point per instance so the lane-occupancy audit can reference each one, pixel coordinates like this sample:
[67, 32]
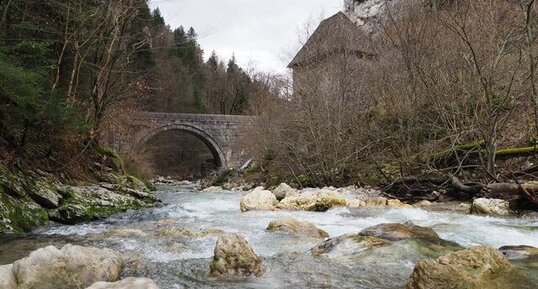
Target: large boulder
[475, 268]
[235, 258]
[283, 190]
[258, 199]
[313, 200]
[483, 206]
[302, 228]
[7, 279]
[396, 232]
[519, 252]
[127, 283]
[70, 267]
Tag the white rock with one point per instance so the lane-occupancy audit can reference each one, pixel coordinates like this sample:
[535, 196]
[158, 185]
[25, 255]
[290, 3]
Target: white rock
[7, 279]
[127, 283]
[70, 267]
[235, 258]
[258, 199]
[483, 206]
[313, 200]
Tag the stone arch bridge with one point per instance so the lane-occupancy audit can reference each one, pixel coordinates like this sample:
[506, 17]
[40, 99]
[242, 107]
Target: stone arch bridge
[222, 134]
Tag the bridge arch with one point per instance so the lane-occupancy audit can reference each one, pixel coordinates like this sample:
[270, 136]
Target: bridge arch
[207, 139]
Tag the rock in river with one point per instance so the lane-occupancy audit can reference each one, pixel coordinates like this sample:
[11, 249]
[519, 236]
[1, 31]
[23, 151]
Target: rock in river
[302, 228]
[347, 245]
[313, 200]
[519, 252]
[258, 199]
[7, 279]
[483, 206]
[127, 283]
[70, 267]
[395, 232]
[235, 258]
[475, 268]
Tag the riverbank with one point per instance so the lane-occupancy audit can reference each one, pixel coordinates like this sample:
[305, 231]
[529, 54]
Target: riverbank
[28, 199]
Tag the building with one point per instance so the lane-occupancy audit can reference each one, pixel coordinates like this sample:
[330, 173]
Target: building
[331, 61]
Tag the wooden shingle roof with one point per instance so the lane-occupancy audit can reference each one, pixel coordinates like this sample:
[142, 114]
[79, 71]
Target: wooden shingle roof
[333, 35]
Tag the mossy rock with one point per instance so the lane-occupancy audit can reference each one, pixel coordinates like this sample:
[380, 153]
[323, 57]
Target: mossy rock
[112, 159]
[20, 215]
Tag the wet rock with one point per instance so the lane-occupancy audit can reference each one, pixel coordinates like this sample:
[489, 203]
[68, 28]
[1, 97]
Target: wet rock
[313, 200]
[127, 283]
[483, 206]
[519, 252]
[235, 258]
[283, 190]
[70, 267]
[395, 232]
[7, 279]
[258, 199]
[302, 228]
[212, 189]
[475, 268]
[347, 245]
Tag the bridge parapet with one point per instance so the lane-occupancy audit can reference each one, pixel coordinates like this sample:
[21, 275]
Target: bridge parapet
[221, 133]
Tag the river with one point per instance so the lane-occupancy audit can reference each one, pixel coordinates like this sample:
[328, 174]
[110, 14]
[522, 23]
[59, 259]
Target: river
[173, 244]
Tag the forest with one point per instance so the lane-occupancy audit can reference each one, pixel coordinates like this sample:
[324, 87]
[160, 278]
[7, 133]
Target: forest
[74, 72]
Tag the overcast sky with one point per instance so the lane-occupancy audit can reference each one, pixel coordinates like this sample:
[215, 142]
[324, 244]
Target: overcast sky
[260, 32]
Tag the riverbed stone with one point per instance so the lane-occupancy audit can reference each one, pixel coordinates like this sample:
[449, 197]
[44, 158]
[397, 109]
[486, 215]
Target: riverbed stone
[7, 279]
[283, 190]
[519, 252]
[313, 200]
[475, 268]
[484, 206]
[293, 226]
[396, 232]
[127, 283]
[233, 257]
[347, 245]
[70, 267]
[258, 199]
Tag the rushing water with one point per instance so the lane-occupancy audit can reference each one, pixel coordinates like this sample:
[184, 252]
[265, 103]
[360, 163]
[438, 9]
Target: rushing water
[156, 247]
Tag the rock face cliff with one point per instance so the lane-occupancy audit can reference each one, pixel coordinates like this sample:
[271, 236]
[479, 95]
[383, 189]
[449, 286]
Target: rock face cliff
[368, 14]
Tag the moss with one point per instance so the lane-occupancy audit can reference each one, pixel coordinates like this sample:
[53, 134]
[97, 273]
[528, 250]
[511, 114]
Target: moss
[224, 177]
[516, 152]
[273, 181]
[20, 216]
[112, 159]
